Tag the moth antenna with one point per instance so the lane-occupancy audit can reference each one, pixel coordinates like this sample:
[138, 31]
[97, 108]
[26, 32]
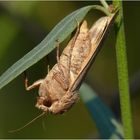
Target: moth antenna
[16, 130]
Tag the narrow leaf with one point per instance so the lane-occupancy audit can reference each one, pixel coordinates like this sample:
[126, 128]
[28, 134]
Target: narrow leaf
[106, 123]
[60, 32]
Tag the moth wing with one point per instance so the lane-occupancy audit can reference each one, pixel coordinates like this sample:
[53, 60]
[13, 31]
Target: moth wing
[94, 39]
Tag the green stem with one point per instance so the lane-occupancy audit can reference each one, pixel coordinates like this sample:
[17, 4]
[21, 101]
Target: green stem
[102, 9]
[123, 73]
[104, 3]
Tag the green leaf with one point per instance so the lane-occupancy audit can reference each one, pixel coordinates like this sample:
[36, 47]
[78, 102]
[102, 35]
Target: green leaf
[60, 32]
[106, 123]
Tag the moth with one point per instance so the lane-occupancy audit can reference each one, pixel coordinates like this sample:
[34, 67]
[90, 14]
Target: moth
[58, 90]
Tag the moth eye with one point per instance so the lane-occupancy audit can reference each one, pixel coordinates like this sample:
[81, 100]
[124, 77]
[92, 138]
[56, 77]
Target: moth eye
[47, 103]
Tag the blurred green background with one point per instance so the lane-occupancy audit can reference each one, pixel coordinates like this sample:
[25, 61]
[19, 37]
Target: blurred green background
[22, 26]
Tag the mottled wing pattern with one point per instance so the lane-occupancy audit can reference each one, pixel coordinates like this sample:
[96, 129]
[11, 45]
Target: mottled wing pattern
[76, 58]
[84, 52]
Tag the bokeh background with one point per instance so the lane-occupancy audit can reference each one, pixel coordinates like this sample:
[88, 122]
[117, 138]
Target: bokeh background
[22, 26]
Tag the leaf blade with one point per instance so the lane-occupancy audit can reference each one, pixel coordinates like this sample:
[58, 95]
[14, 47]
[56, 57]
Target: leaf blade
[106, 123]
[60, 32]
[44, 46]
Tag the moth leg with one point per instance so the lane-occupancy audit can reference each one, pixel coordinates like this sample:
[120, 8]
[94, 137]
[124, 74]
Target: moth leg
[76, 34]
[48, 66]
[57, 51]
[35, 84]
[58, 56]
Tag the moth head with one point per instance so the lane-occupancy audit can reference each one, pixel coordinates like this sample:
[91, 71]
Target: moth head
[44, 103]
[47, 106]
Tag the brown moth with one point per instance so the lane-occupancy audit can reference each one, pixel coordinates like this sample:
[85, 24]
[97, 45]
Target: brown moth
[57, 91]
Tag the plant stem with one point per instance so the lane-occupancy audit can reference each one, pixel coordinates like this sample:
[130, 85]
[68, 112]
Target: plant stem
[104, 3]
[123, 73]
